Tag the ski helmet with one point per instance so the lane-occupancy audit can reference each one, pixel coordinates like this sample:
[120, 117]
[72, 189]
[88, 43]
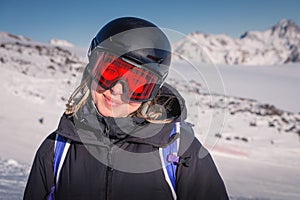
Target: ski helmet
[138, 40]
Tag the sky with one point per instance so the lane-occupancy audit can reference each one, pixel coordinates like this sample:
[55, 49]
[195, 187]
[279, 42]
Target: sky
[79, 21]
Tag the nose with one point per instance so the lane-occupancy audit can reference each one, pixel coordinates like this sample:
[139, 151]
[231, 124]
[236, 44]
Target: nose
[117, 89]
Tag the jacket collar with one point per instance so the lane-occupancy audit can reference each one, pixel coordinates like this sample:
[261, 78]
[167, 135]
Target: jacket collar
[89, 126]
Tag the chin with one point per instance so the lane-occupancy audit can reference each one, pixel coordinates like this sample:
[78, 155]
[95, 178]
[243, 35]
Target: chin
[108, 112]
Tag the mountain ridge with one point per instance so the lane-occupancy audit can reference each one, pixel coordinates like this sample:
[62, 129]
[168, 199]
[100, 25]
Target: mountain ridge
[21, 53]
[279, 44]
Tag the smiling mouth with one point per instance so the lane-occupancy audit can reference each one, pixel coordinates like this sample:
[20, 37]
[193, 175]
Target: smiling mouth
[112, 102]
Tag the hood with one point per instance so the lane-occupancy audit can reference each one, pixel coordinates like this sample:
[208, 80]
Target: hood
[90, 127]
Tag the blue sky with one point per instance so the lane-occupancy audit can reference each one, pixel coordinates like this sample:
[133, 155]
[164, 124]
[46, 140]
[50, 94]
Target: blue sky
[79, 21]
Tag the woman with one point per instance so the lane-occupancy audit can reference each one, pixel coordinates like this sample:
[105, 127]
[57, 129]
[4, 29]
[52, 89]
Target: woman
[118, 125]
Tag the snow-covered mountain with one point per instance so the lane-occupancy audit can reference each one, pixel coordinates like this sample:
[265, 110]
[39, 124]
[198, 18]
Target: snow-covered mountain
[276, 45]
[37, 59]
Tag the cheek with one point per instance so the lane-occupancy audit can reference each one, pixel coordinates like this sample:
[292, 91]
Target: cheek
[95, 95]
[118, 111]
[97, 99]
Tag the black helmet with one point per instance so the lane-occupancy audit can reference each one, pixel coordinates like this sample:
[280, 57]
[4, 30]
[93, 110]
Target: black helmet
[138, 40]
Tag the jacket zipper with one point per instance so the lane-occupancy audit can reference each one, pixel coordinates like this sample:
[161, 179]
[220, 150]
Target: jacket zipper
[109, 168]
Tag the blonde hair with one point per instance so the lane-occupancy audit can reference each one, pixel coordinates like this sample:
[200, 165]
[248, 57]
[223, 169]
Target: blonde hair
[79, 97]
[152, 111]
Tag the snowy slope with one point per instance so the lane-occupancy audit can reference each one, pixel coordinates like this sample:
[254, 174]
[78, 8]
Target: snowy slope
[253, 139]
[13, 176]
[277, 45]
[255, 145]
[36, 80]
[37, 59]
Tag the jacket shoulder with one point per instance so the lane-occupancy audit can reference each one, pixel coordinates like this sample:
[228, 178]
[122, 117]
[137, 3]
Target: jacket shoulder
[46, 149]
[200, 170]
[41, 175]
[187, 137]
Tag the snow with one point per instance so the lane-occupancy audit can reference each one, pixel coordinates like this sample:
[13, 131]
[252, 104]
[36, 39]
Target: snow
[246, 116]
[276, 45]
[251, 142]
[275, 84]
[13, 176]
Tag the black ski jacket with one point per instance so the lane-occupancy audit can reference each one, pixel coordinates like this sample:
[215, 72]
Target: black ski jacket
[118, 158]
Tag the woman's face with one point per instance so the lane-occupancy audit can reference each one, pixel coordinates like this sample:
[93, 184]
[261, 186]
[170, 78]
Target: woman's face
[109, 102]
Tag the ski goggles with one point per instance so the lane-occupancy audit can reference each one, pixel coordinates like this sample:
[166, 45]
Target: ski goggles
[139, 84]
